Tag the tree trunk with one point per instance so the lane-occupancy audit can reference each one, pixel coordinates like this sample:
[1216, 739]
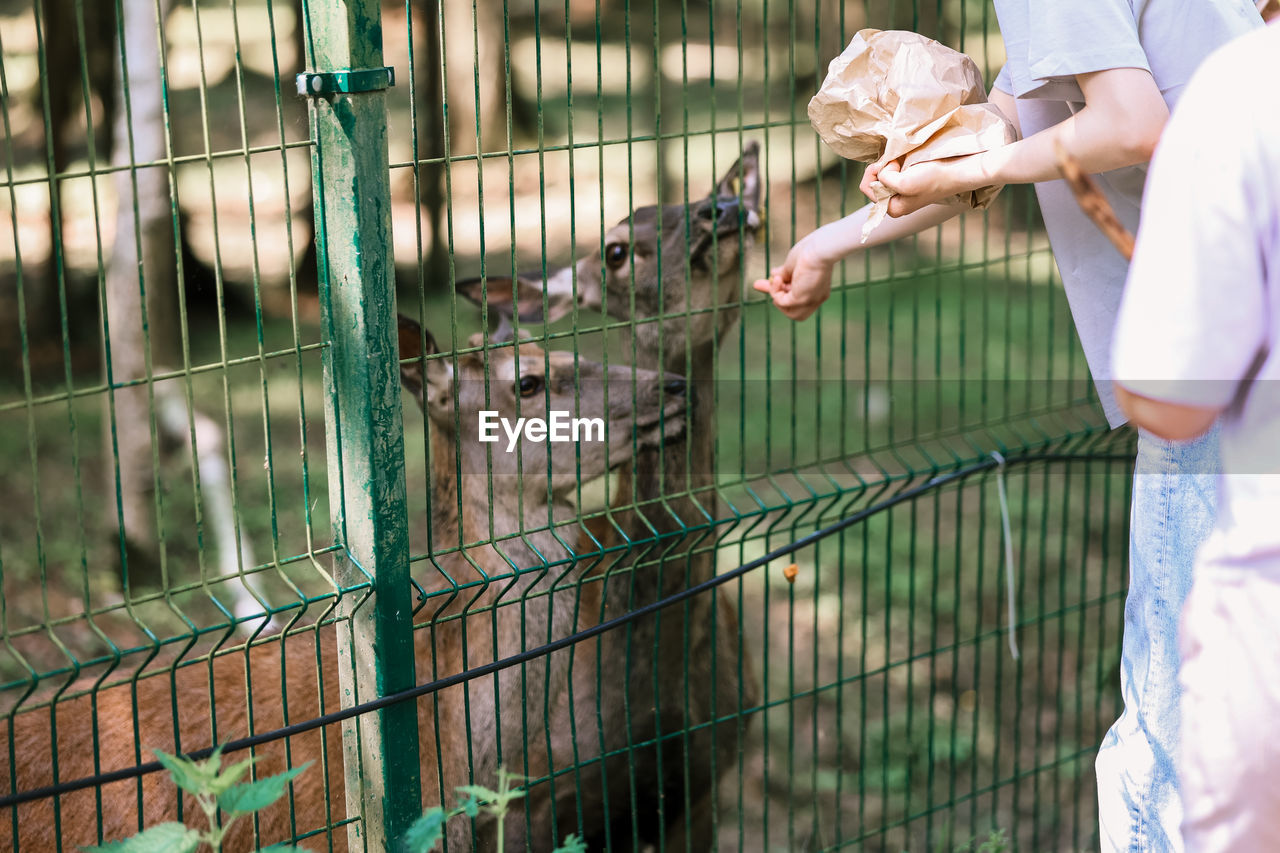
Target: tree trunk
[140, 319]
[428, 92]
[64, 22]
[473, 45]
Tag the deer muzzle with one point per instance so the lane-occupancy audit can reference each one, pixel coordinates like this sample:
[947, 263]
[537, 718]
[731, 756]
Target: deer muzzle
[664, 423]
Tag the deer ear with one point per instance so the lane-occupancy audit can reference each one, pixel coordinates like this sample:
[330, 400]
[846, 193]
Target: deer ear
[578, 284]
[742, 180]
[506, 295]
[533, 298]
[488, 289]
[416, 342]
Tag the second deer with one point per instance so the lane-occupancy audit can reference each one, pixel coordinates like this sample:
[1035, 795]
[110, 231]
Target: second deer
[515, 503]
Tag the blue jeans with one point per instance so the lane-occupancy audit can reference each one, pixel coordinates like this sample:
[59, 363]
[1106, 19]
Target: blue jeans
[1174, 500]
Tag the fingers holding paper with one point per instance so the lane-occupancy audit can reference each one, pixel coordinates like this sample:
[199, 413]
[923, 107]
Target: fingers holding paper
[931, 182]
[871, 176]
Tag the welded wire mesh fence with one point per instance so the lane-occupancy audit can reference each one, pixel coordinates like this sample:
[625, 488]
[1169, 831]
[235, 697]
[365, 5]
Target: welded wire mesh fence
[221, 518]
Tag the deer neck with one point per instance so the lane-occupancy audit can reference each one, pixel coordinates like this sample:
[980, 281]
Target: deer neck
[485, 510]
[472, 508]
[699, 370]
[700, 364]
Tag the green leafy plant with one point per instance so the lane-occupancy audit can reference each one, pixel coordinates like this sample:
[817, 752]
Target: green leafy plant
[215, 789]
[996, 842]
[428, 830]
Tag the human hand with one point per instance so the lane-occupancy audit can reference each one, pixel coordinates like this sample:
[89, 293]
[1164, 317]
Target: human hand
[802, 282]
[931, 182]
[871, 175]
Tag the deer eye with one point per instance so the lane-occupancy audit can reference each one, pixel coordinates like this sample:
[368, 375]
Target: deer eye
[530, 385]
[615, 255]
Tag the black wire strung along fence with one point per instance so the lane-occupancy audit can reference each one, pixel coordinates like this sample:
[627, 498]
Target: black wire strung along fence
[853, 583]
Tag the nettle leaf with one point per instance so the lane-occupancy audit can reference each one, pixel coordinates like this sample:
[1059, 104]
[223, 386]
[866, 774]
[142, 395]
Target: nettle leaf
[224, 780]
[161, 838]
[191, 776]
[425, 832]
[470, 806]
[572, 844]
[479, 792]
[252, 796]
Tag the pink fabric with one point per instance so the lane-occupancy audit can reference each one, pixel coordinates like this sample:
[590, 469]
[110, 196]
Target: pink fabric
[1229, 765]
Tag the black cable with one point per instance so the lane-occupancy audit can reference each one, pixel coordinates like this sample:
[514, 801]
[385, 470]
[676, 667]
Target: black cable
[11, 800]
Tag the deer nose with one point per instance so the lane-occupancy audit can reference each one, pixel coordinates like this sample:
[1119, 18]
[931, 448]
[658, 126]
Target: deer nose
[675, 386]
[727, 212]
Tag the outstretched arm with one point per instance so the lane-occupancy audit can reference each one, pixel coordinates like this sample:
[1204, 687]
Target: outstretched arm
[1123, 117]
[802, 282]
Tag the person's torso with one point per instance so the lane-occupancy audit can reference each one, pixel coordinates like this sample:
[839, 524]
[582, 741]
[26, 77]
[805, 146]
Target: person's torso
[1048, 42]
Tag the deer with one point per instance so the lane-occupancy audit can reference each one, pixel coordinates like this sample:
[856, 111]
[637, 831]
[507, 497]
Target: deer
[476, 611]
[680, 266]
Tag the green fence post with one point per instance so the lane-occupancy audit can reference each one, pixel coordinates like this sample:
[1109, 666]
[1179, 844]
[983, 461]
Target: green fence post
[362, 409]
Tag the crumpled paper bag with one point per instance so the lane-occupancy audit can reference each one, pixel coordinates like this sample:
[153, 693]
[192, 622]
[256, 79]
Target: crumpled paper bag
[901, 94]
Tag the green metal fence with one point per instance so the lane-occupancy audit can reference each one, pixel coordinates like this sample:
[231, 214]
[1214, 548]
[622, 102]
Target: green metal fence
[771, 609]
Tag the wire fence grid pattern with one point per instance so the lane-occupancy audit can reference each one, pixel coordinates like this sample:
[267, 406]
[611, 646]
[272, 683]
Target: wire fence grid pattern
[224, 522]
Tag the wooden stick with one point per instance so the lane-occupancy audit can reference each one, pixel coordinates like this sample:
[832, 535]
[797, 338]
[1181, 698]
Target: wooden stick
[1093, 202]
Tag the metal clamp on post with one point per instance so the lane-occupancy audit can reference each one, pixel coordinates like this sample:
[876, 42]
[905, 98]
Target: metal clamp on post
[316, 83]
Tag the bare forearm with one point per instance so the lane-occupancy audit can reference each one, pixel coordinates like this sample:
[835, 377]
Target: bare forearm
[802, 282]
[1090, 137]
[835, 240]
[1118, 127]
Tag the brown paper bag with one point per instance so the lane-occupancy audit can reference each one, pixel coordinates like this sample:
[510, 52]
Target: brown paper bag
[903, 95]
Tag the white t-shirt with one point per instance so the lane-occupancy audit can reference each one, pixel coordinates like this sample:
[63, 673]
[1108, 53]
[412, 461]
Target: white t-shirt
[1200, 321]
[1047, 43]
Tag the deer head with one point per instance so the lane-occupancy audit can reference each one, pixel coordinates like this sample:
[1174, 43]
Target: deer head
[628, 409]
[673, 259]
